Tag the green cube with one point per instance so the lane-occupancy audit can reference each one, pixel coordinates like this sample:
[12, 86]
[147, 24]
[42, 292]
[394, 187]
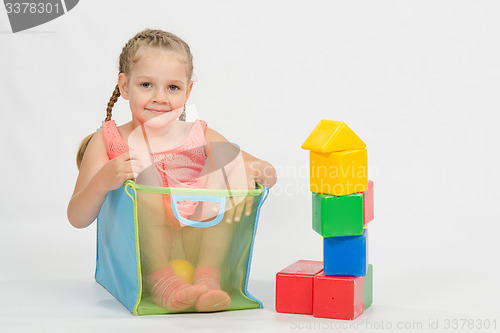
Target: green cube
[368, 297]
[337, 216]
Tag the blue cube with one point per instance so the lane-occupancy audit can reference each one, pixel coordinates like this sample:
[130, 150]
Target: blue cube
[345, 256]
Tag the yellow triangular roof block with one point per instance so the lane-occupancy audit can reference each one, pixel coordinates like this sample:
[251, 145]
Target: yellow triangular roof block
[330, 136]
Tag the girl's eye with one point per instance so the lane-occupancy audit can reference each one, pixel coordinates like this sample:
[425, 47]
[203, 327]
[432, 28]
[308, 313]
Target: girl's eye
[173, 87]
[146, 85]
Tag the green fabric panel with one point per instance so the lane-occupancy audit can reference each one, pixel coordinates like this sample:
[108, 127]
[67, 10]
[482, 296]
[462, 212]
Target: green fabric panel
[234, 271]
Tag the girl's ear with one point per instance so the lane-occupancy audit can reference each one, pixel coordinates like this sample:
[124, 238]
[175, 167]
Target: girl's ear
[188, 90]
[123, 85]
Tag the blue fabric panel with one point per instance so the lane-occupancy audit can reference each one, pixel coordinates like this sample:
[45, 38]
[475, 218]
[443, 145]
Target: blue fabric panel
[116, 266]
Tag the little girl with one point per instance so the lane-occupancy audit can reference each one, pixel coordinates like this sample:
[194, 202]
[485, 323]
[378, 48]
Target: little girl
[155, 70]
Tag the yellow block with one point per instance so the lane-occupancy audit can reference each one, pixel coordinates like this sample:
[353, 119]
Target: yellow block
[332, 136]
[339, 173]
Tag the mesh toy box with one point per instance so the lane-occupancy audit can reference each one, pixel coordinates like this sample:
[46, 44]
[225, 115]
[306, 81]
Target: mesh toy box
[121, 244]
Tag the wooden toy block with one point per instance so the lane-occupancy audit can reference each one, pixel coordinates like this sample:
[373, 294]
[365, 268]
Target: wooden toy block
[336, 216]
[345, 256]
[294, 287]
[338, 297]
[368, 292]
[339, 173]
[368, 204]
[330, 136]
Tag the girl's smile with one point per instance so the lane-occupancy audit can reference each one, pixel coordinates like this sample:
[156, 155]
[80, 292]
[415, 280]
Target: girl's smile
[158, 111]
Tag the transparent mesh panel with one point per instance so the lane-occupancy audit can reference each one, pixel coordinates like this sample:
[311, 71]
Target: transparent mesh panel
[164, 241]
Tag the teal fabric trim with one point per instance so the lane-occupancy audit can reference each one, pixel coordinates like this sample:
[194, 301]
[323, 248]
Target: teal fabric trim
[174, 198]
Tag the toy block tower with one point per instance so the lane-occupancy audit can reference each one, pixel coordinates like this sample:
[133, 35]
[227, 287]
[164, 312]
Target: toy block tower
[342, 206]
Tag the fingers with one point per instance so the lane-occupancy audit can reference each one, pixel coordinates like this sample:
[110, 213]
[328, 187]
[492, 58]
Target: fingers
[134, 155]
[123, 157]
[129, 166]
[238, 211]
[140, 155]
[248, 205]
[137, 168]
[235, 213]
[228, 217]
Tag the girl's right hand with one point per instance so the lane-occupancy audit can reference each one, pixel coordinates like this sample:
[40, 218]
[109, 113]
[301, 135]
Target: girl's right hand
[97, 176]
[118, 170]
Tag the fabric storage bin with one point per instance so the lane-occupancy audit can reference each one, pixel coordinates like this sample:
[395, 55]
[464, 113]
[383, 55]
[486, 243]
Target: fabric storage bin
[123, 223]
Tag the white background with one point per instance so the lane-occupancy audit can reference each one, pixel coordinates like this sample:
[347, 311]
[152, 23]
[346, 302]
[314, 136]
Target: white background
[418, 81]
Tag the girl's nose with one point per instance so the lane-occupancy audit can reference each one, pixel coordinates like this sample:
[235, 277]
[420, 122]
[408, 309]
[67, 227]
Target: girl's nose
[160, 97]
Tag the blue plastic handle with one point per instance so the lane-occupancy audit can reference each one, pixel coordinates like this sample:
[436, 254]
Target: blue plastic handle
[174, 198]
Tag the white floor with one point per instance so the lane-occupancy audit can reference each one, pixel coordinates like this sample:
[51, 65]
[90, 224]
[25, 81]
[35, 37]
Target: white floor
[84, 306]
[47, 286]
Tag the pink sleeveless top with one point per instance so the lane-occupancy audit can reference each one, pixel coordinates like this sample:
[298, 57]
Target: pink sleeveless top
[179, 167]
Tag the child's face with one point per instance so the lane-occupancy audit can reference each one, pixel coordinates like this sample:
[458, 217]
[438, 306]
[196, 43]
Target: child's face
[157, 85]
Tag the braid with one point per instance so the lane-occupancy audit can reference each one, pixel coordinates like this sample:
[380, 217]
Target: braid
[111, 103]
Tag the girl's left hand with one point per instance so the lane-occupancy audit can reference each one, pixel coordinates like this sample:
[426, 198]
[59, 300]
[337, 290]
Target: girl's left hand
[257, 171]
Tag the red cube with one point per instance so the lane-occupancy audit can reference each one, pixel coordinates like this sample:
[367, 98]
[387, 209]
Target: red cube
[338, 297]
[368, 204]
[294, 287]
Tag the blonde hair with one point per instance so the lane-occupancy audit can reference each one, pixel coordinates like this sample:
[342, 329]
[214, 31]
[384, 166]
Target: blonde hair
[152, 38]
